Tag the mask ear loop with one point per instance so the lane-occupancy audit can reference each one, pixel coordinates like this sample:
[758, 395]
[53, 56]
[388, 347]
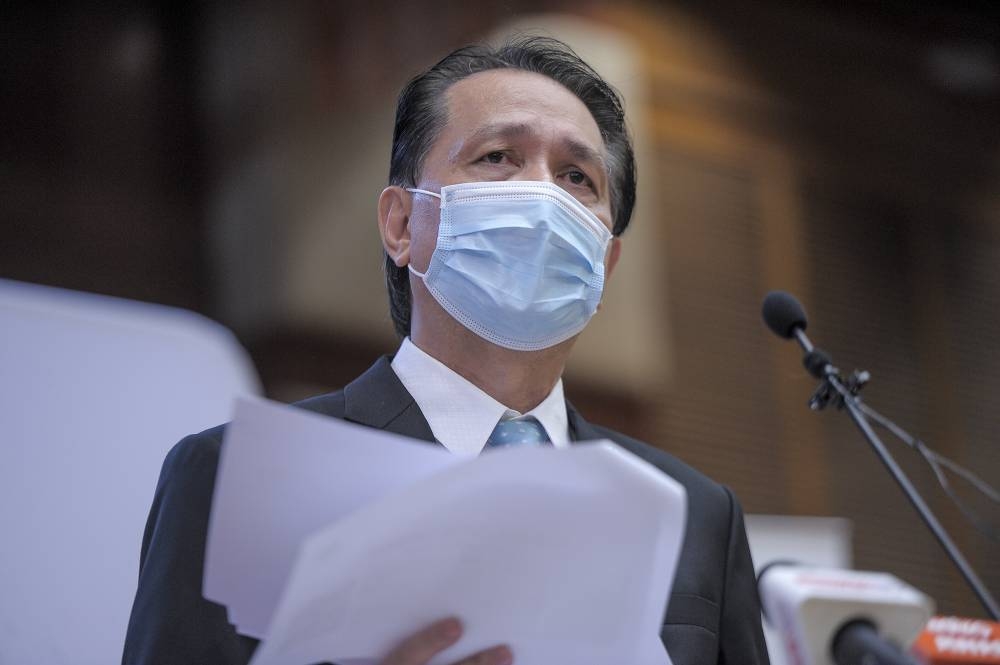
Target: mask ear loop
[422, 191]
[421, 275]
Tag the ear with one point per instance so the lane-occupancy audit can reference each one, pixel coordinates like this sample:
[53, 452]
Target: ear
[394, 223]
[614, 253]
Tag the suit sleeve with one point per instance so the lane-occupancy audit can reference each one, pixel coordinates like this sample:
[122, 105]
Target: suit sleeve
[741, 638]
[171, 623]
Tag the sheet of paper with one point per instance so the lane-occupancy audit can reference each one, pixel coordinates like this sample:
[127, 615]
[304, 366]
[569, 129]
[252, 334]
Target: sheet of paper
[566, 555]
[284, 473]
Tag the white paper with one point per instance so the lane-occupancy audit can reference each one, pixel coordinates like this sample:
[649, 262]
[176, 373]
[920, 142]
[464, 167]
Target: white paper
[284, 473]
[567, 555]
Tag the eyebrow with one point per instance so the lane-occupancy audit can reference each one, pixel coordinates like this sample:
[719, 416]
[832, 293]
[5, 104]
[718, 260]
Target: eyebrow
[577, 149]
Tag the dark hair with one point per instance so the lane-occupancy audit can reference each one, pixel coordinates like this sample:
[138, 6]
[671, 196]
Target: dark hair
[421, 113]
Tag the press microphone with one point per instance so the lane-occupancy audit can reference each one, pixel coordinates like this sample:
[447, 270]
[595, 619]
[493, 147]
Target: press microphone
[831, 616]
[786, 318]
[958, 641]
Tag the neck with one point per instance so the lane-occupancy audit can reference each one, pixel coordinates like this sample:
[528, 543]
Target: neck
[519, 380]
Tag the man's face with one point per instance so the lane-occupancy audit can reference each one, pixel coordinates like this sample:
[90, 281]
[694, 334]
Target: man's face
[511, 125]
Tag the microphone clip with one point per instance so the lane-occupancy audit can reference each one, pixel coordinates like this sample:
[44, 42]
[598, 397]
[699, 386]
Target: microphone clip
[826, 392]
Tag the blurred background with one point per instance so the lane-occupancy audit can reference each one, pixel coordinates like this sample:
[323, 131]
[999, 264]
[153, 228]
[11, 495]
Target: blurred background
[226, 158]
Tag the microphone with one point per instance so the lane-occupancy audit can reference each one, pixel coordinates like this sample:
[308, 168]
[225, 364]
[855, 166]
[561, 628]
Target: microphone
[783, 314]
[958, 641]
[785, 317]
[831, 616]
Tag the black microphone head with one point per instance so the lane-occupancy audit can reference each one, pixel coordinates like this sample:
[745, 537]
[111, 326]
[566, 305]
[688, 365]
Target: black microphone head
[783, 314]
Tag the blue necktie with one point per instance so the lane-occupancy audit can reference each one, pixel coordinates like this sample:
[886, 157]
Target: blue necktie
[518, 432]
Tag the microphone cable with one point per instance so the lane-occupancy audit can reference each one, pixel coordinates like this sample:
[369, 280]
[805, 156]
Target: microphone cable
[936, 461]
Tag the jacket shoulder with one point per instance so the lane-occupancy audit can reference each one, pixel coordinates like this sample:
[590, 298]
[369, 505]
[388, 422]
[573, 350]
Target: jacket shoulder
[329, 404]
[703, 492]
[204, 446]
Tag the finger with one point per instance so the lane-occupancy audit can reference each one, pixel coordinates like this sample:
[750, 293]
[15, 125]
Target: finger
[499, 655]
[420, 647]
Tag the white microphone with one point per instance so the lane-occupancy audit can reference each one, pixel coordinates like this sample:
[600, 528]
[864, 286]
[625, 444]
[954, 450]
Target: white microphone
[831, 616]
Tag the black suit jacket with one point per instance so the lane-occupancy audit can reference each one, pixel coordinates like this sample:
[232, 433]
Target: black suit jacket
[713, 613]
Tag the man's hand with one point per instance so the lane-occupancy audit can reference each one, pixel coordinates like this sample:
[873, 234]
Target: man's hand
[419, 648]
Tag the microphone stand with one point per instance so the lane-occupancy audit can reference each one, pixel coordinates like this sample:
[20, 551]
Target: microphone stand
[844, 395]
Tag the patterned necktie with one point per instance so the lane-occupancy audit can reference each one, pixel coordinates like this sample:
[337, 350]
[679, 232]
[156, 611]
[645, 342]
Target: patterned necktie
[522, 431]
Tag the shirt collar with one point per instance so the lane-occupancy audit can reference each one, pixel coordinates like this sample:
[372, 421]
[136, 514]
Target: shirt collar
[459, 413]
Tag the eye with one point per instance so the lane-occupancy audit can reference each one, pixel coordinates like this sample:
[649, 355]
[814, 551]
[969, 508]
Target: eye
[494, 157]
[578, 178]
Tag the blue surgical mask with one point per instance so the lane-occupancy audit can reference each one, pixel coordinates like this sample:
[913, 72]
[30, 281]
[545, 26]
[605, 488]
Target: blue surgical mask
[519, 263]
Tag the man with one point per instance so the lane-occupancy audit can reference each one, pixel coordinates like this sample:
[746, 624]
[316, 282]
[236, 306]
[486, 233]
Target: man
[511, 179]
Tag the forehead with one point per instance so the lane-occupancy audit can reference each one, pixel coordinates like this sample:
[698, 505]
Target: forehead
[518, 97]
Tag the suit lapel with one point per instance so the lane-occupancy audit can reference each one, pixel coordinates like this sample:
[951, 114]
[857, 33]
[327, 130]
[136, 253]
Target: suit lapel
[378, 399]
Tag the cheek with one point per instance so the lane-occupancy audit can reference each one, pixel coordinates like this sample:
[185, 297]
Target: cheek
[611, 257]
[423, 236]
[603, 213]
[608, 218]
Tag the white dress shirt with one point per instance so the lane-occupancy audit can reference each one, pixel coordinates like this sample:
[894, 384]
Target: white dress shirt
[462, 416]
